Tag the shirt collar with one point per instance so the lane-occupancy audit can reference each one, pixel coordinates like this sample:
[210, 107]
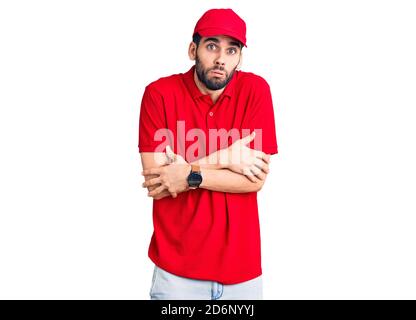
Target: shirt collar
[193, 88]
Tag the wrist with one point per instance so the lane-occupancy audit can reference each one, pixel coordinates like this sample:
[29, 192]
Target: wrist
[194, 178]
[204, 180]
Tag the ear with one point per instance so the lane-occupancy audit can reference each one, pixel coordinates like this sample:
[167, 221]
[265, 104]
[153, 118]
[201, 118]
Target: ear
[192, 51]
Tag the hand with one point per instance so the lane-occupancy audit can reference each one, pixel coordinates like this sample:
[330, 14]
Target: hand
[252, 163]
[170, 178]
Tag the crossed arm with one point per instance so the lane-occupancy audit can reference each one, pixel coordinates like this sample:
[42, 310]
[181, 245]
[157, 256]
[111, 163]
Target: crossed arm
[166, 173]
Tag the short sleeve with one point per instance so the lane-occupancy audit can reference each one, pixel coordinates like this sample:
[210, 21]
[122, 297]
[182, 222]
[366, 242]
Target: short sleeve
[152, 118]
[261, 118]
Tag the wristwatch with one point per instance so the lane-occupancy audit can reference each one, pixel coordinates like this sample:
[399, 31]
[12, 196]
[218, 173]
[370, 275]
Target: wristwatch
[194, 177]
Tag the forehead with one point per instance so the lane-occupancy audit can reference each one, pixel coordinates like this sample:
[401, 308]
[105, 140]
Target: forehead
[221, 39]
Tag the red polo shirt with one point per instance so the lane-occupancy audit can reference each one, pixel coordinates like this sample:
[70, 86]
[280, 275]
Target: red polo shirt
[203, 234]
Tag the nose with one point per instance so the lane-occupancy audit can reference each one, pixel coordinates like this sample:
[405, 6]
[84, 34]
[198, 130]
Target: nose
[220, 60]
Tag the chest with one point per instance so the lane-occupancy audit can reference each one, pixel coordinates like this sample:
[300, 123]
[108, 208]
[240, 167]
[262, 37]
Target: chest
[199, 126]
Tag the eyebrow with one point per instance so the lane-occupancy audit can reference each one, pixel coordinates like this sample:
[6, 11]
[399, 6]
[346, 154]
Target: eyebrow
[232, 43]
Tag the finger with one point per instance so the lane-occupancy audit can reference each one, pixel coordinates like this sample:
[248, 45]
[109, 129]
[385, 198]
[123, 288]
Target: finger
[154, 186]
[261, 165]
[261, 155]
[174, 195]
[151, 182]
[257, 172]
[247, 172]
[170, 154]
[156, 191]
[248, 138]
[151, 171]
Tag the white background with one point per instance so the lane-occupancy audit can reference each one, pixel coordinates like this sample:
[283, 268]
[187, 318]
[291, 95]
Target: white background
[338, 209]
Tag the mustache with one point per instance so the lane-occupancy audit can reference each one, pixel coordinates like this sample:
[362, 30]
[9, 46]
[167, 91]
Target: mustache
[217, 68]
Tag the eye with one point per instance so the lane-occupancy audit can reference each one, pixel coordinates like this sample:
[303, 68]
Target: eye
[232, 50]
[211, 46]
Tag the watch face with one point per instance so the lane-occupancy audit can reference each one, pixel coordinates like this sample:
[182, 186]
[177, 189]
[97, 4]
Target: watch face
[194, 179]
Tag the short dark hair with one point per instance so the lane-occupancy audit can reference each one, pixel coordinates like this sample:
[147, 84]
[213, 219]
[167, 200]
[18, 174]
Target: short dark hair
[197, 39]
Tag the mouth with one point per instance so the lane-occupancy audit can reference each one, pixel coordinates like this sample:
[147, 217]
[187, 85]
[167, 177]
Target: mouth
[217, 73]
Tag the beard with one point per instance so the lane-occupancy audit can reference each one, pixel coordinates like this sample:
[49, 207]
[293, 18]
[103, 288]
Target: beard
[214, 83]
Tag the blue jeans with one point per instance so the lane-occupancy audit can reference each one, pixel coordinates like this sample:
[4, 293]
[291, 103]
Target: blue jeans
[167, 286]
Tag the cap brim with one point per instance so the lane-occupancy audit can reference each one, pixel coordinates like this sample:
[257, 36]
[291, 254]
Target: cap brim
[210, 32]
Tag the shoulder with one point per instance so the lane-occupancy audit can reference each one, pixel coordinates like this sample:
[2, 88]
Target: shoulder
[249, 80]
[164, 84]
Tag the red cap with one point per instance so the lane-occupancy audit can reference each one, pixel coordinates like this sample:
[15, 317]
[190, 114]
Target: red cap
[221, 22]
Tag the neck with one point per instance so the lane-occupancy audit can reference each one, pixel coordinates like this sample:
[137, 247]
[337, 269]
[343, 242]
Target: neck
[214, 94]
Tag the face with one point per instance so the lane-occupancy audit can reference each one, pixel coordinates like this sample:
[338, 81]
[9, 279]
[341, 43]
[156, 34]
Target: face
[216, 60]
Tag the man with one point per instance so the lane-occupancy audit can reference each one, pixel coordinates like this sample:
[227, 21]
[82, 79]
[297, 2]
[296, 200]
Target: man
[205, 141]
